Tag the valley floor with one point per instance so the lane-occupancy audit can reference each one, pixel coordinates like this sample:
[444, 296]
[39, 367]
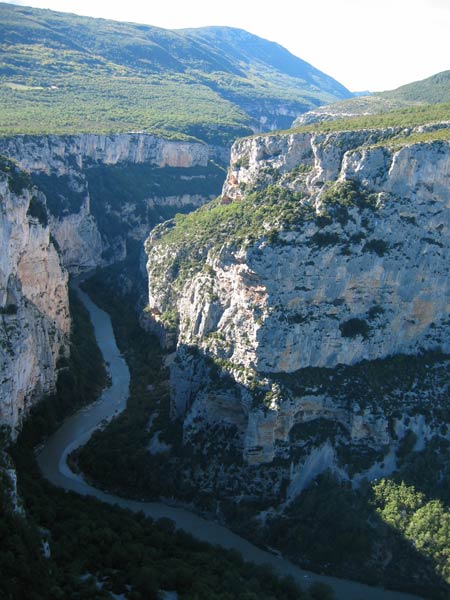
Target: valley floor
[74, 432]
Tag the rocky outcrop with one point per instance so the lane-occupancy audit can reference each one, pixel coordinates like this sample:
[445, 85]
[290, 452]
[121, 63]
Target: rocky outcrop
[34, 310]
[58, 154]
[339, 271]
[360, 106]
[366, 283]
[95, 205]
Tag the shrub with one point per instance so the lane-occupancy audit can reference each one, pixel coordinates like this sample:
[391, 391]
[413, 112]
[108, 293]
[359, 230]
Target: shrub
[37, 210]
[354, 327]
[380, 247]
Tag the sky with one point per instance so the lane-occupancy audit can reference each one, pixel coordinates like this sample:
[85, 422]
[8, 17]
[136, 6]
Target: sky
[365, 44]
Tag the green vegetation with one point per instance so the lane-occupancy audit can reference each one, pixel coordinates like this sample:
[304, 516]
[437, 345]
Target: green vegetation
[133, 183]
[93, 543]
[18, 180]
[60, 73]
[354, 327]
[62, 199]
[23, 571]
[121, 184]
[406, 117]
[170, 106]
[95, 549]
[426, 524]
[259, 214]
[9, 309]
[377, 246]
[436, 135]
[37, 210]
[112, 187]
[384, 533]
[346, 194]
[377, 383]
[433, 90]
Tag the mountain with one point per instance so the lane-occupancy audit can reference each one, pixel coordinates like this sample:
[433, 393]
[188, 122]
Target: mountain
[433, 90]
[311, 370]
[61, 73]
[258, 56]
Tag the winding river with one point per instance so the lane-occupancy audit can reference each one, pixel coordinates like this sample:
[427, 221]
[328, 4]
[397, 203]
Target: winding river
[76, 431]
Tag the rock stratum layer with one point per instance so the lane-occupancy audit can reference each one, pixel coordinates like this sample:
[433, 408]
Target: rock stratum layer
[34, 306]
[311, 304]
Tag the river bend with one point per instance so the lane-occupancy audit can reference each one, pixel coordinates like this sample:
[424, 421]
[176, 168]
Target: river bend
[77, 429]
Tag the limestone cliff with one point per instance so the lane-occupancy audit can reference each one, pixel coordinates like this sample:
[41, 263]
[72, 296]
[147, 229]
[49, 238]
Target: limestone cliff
[34, 310]
[103, 189]
[311, 303]
[380, 247]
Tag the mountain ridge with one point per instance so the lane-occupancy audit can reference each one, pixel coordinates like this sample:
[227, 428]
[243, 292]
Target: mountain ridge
[430, 91]
[63, 73]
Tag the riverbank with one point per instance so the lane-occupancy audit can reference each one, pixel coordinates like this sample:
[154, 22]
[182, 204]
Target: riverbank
[76, 431]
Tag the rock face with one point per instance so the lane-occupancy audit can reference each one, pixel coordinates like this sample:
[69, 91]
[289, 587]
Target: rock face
[340, 276]
[34, 308]
[94, 204]
[54, 154]
[388, 260]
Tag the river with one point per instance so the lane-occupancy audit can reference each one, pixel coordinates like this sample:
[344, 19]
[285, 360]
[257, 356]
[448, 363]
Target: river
[77, 429]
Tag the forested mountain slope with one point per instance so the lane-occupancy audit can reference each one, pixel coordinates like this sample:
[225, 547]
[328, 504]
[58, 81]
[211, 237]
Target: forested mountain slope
[62, 73]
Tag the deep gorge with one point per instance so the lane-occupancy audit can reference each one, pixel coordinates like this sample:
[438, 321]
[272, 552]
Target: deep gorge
[279, 300]
[239, 434]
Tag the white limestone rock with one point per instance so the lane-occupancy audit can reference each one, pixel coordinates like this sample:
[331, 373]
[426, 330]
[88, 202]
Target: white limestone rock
[366, 287]
[60, 153]
[34, 319]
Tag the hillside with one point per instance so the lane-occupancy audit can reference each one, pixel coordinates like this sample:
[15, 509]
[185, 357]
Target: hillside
[433, 90]
[312, 356]
[61, 73]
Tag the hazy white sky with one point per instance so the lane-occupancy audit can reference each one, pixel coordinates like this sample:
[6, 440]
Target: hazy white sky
[364, 44]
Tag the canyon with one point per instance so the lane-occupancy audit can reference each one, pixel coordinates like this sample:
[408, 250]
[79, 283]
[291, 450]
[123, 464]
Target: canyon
[297, 282]
[59, 219]
[304, 312]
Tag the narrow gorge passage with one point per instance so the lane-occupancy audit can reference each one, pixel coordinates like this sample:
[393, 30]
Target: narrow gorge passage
[76, 430]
